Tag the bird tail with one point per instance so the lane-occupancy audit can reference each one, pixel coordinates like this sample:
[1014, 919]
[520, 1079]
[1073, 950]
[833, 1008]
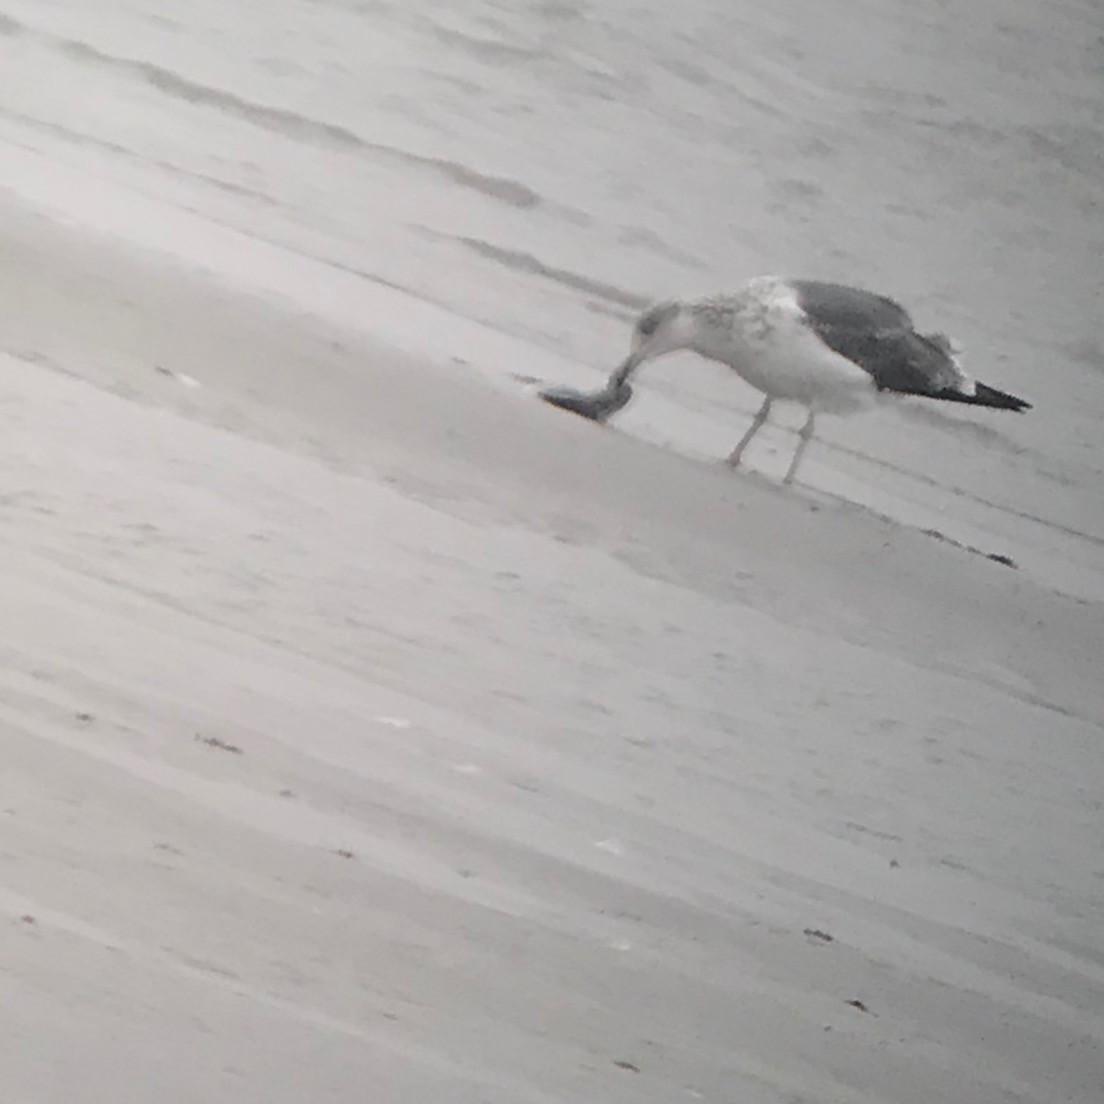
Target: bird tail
[984, 395]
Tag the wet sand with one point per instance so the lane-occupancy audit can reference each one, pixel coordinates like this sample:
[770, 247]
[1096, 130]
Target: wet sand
[373, 731]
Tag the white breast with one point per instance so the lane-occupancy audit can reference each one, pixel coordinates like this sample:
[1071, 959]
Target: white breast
[769, 345]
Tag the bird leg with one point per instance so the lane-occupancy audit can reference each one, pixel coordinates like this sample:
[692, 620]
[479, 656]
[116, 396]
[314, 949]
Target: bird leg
[734, 457]
[804, 436]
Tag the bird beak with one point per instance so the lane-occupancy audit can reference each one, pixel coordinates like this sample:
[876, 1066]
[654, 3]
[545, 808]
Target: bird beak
[624, 370]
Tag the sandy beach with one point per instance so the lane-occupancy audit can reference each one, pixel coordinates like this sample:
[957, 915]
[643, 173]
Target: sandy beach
[374, 732]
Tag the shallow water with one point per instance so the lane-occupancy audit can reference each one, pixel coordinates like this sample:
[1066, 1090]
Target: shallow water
[546, 167]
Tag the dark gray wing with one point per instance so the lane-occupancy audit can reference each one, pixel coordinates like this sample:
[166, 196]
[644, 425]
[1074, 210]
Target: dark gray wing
[877, 334]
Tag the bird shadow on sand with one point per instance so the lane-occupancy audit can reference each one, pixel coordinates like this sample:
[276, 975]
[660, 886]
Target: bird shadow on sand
[985, 434]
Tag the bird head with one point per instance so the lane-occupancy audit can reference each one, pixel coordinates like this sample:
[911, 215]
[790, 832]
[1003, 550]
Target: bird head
[659, 330]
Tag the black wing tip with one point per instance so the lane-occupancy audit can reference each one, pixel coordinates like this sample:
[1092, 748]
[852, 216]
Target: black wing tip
[1000, 400]
[984, 395]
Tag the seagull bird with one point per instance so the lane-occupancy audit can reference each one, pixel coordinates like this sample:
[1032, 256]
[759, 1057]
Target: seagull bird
[832, 348]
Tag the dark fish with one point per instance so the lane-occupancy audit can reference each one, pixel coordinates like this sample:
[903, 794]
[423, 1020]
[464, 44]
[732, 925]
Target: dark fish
[595, 405]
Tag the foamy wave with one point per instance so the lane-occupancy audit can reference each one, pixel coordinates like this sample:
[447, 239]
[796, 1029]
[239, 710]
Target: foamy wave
[282, 120]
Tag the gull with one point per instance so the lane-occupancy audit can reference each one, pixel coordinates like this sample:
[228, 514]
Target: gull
[832, 348]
